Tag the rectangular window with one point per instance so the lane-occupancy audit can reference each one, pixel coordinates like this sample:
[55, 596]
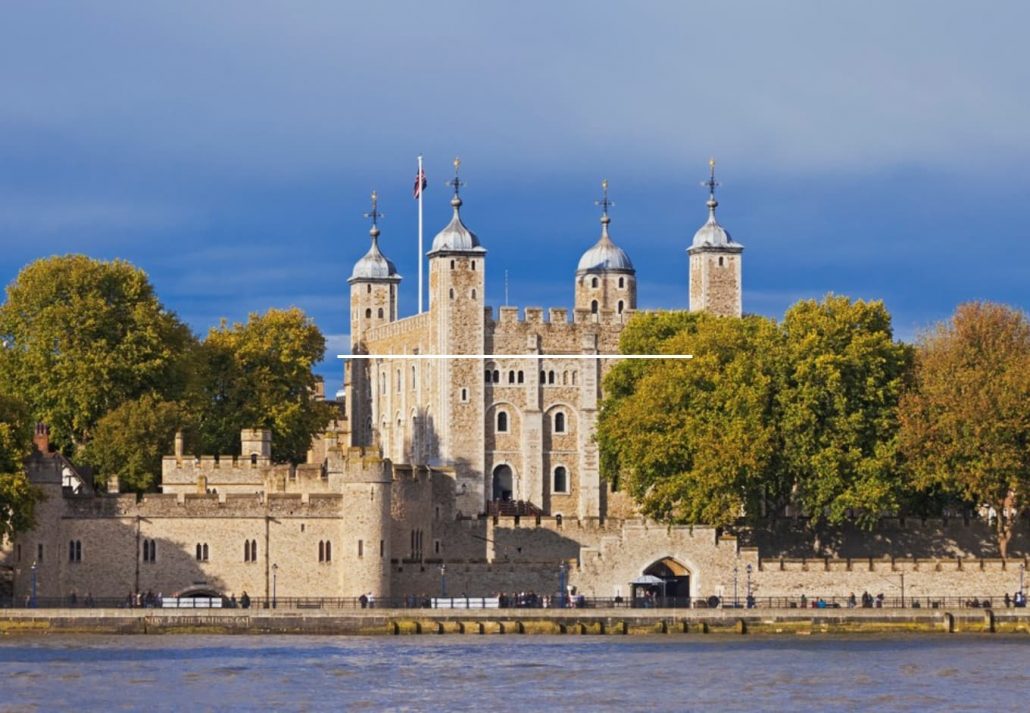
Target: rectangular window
[382, 548]
[361, 548]
[436, 546]
[39, 552]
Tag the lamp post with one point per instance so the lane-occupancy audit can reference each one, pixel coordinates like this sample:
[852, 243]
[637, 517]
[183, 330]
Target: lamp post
[748, 600]
[443, 581]
[33, 600]
[275, 571]
[735, 600]
[563, 569]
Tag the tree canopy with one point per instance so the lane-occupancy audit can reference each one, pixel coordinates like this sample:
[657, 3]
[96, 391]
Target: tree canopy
[259, 374]
[965, 427]
[764, 416]
[84, 336]
[131, 440]
[17, 497]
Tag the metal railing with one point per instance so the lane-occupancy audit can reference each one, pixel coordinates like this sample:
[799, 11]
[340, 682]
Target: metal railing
[534, 601]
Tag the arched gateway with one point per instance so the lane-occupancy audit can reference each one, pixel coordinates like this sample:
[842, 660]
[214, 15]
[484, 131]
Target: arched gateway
[665, 578]
[503, 483]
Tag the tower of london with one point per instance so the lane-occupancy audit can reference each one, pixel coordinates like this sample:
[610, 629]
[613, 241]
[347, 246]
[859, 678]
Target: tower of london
[464, 444]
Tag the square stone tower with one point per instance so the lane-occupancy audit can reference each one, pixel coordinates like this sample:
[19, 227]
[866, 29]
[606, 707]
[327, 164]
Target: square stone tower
[715, 264]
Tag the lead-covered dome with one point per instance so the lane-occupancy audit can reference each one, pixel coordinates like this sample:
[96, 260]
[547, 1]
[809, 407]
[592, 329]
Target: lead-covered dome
[456, 237]
[374, 265]
[713, 235]
[605, 255]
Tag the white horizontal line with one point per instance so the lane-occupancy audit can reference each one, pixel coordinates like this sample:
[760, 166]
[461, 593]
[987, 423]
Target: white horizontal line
[483, 357]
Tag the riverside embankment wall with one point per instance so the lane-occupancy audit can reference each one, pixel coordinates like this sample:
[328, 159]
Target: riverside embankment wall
[507, 621]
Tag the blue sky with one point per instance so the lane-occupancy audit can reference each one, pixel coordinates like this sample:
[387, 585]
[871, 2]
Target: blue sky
[877, 150]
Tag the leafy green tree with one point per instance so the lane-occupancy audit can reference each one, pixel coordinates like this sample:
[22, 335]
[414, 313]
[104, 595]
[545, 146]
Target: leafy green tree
[965, 426]
[131, 440]
[838, 406]
[259, 374]
[694, 441]
[84, 336]
[17, 496]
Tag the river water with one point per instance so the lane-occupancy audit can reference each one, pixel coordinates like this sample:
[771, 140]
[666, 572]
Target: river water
[170, 673]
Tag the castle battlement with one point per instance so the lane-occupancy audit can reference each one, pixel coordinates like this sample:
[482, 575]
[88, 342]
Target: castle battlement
[405, 325]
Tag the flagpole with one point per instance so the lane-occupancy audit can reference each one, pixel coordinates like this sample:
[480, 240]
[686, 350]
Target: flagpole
[419, 179]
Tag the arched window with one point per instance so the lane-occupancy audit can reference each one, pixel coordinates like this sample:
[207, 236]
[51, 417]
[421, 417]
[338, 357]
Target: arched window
[473, 264]
[380, 313]
[720, 261]
[594, 282]
[414, 381]
[452, 264]
[511, 377]
[464, 395]
[451, 292]
[369, 290]
[561, 480]
[75, 551]
[573, 378]
[205, 552]
[497, 376]
[593, 306]
[368, 314]
[328, 551]
[200, 552]
[486, 376]
[253, 458]
[620, 306]
[253, 550]
[543, 377]
[521, 377]
[559, 422]
[565, 378]
[149, 550]
[473, 293]
[550, 377]
[622, 282]
[321, 551]
[246, 550]
[502, 421]
[398, 381]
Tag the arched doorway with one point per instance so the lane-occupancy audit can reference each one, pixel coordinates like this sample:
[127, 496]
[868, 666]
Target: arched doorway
[675, 581]
[503, 483]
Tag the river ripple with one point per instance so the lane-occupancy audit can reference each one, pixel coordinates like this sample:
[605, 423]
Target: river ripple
[167, 673]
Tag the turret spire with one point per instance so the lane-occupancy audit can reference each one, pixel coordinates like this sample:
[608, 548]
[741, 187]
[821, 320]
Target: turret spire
[711, 184]
[374, 215]
[605, 204]
[456, 183]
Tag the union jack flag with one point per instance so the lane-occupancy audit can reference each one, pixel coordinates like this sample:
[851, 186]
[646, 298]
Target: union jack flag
[420, 183]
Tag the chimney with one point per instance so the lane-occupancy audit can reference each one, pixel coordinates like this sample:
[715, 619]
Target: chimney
[178, 444]
[42, 438]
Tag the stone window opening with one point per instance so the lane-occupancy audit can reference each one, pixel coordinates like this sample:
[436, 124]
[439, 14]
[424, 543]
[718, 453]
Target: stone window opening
[361, 548]
[550, 377]
[594, 282]
[473, 264]
[521, 377]
[496, 376]
[622, 283]
[39, 552]
[573, 378]
[621, 305]
[75, 550]
[511, 377]
[543, 377]
[414, 379]
[565, 378]
[561, 480]
[559, 422]
[202, 552]
[380, 313]
[452, 293]
[720, 261]
[368, 313]
[593, 307]
[464, 396]
[473, 293]
[253, 459]
[399, 383]
[368, 289]
[149, 550]
[436, 547]
[502, 421]
[382, 548]
[249, 551]
[452, 264]
[558, 519]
